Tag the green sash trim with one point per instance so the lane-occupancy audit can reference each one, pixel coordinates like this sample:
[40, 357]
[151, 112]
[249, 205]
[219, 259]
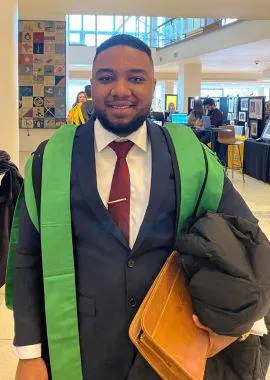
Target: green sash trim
[214, 184]
[192, 166]
[57, 257]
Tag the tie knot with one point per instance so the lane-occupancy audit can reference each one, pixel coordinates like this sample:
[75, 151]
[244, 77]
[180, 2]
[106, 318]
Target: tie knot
[121, 148]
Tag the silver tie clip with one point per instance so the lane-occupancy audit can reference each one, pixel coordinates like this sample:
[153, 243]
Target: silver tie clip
[117, 201]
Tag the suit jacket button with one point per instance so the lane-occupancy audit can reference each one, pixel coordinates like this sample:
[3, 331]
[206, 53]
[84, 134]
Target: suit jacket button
[131, 263]
[132, 301]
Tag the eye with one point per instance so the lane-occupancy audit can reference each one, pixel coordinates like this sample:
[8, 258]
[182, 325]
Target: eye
[137, 79]
[105, 79]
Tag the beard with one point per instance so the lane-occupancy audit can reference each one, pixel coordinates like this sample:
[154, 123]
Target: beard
[121, 130]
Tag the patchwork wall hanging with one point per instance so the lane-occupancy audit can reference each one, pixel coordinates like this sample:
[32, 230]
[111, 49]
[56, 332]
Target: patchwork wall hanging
[42, 74]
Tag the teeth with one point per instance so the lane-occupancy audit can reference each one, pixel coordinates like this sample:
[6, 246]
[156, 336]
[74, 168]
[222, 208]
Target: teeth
[120, 107]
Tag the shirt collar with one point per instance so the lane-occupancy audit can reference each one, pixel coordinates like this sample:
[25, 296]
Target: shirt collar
[103, 137]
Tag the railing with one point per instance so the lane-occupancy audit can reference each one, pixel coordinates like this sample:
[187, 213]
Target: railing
[157, 32]
[175, 30]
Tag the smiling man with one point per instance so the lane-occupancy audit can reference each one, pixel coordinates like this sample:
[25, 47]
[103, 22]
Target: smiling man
[123, 92]
[116, 227]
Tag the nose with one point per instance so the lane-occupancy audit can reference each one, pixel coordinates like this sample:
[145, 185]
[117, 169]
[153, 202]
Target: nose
[121, 89]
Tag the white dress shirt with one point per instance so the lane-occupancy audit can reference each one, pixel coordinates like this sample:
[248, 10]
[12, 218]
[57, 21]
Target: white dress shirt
[139, 161]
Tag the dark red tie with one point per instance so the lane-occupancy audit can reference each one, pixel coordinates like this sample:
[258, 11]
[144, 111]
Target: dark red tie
[119, 200]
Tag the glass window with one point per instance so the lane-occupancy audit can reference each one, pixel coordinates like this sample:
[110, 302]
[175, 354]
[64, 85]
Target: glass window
[119, 22]
[75, 22]
[102, 37]
[197, 23]
[105, 23]
[74, 38]
[89, 23]
[211, 92]
[130, 24]
[158, 103]
[90, 40]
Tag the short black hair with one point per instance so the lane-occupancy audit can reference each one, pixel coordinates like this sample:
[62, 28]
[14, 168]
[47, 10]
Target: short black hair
[88, 91]
[209, 102]
[125, 40]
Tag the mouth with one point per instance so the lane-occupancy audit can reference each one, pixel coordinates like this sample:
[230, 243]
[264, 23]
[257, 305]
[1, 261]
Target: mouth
[121, 106]
[121, 109]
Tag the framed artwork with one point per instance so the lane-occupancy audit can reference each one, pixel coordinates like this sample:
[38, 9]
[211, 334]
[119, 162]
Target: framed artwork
[217, 101]
[229, 117]
[171, 101]
[255, 108]
[244, 104]
[253, 128]
[242, 116]
[231, 105]
[235, 105]
[234, 116]
[266, 132]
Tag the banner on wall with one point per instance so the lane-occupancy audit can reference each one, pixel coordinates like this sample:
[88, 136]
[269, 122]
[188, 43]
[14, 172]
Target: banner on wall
[42, 74]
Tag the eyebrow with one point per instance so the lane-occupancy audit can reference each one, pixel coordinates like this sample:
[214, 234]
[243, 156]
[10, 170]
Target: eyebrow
[131, 71]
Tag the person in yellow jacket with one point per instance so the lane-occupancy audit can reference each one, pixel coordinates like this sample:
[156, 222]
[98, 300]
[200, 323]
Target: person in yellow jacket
[75, 115]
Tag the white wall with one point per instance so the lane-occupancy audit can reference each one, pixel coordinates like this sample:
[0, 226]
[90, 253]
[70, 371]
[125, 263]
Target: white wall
[28, 144]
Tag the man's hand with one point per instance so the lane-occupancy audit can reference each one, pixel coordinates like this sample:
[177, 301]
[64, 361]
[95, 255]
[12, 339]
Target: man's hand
[32, 369]
[217, 342]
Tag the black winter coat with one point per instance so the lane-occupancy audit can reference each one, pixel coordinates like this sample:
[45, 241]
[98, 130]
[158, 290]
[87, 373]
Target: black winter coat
[9, 191]
[226, 261]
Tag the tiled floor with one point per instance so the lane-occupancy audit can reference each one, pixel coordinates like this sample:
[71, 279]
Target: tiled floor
[257, 196]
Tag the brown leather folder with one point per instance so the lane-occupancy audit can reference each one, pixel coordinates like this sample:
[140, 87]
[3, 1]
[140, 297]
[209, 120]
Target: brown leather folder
[163, 330]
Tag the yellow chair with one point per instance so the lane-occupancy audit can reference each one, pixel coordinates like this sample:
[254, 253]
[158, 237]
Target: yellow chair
[234, 158]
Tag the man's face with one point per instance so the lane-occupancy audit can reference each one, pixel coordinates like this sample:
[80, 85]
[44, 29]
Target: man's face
[209, 107]
[123, 85]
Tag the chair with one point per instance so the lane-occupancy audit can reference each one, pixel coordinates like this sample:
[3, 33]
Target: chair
[229, 139]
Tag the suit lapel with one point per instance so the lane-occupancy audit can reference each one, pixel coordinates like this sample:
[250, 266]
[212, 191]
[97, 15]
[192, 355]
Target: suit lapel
[161, 169]
[84, 157]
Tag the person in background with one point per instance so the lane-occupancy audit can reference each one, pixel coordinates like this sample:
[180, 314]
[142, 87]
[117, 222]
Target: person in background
[80, 99]
[195, 116]
[216, 121]
[171, 110]
[212, 111]
[87, 107]
[195, 121]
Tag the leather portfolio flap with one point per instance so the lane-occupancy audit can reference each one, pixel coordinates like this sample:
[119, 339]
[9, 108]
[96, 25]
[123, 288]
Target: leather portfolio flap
[163, 329]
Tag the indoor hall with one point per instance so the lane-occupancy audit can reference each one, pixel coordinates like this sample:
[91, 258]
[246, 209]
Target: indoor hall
[221, 53]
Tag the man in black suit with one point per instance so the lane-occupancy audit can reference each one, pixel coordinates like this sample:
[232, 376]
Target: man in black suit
[116, 258]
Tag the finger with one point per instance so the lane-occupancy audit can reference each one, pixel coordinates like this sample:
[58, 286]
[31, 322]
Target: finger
[199, 324]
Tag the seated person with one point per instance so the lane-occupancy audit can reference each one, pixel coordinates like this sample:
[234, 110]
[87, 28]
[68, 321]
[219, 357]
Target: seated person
[195, 120]
[195, 116]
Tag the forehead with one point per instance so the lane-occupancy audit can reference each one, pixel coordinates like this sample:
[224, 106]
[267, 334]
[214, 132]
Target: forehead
[122, 58]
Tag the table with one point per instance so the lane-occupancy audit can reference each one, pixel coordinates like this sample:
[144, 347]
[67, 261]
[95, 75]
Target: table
[257, 160]
[212, 131]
